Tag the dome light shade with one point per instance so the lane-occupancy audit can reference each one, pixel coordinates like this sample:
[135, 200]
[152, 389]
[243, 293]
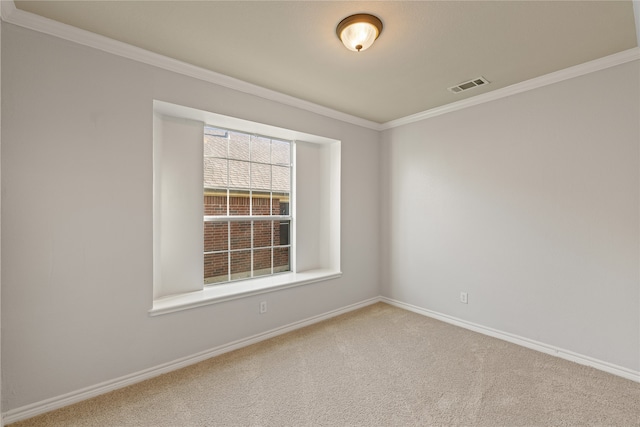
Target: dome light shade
[358, 32]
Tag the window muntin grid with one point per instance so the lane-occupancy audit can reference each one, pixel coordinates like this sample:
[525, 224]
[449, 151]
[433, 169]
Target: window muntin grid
[247, 222]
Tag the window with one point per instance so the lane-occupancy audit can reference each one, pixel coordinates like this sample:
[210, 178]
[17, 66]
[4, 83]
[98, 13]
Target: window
[248, 205]
[247, 192]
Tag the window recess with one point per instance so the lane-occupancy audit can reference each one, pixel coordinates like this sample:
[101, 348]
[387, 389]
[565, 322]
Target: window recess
[297, 208]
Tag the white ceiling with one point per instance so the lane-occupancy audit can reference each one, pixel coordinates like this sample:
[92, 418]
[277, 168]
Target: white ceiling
[425, 47]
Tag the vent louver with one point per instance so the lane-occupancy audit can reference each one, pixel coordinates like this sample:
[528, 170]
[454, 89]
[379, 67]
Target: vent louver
[478, 81]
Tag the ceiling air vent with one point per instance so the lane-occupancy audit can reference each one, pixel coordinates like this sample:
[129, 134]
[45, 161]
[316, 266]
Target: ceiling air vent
[478, 81]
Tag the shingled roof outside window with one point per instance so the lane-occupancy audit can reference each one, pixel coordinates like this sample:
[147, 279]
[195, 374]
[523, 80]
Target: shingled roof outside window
[226, 162]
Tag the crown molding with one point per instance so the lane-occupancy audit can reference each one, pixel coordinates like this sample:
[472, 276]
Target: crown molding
[537, 82]
[12, 15]
[6, 8]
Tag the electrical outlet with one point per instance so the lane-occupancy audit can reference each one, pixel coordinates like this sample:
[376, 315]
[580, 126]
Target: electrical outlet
[263, 307]
[463, 297]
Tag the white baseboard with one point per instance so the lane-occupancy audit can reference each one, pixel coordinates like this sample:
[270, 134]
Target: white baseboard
[524, 342]
[57, 402]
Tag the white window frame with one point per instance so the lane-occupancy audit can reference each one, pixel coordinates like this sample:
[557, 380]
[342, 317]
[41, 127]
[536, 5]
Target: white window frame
[315, 235]
[228, 218]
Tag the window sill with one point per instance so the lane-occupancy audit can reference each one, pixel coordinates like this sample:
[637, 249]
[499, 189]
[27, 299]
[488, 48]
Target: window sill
[241, 289]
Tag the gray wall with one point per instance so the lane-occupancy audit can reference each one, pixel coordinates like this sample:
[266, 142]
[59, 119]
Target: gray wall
[530, 204]
[77, 219]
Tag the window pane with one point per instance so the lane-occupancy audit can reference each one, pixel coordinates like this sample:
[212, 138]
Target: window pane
[215, 173]
[281, 260]
[240, 234]
[238, 175]
[260, 149]
[281, 178]
[261, 202]
[260, 176]
[281, 233]
[216, 268]
[240, 265]
[239, 203]
[261, 262]
[215, 142]
[262, 233]
[280, 152]
[216, 236]
[215, 202]
[280, 204]
[239, 145]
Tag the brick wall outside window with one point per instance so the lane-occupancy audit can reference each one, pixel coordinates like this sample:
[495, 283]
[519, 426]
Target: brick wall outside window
[216, 238]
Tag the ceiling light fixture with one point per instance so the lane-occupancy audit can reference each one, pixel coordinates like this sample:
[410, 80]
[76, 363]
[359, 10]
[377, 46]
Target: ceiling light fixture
[358, 32]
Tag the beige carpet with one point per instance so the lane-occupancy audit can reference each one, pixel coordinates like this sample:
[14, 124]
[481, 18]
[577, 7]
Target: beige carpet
[378, 366]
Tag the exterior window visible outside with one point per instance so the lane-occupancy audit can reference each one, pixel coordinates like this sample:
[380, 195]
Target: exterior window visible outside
[247, 194]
